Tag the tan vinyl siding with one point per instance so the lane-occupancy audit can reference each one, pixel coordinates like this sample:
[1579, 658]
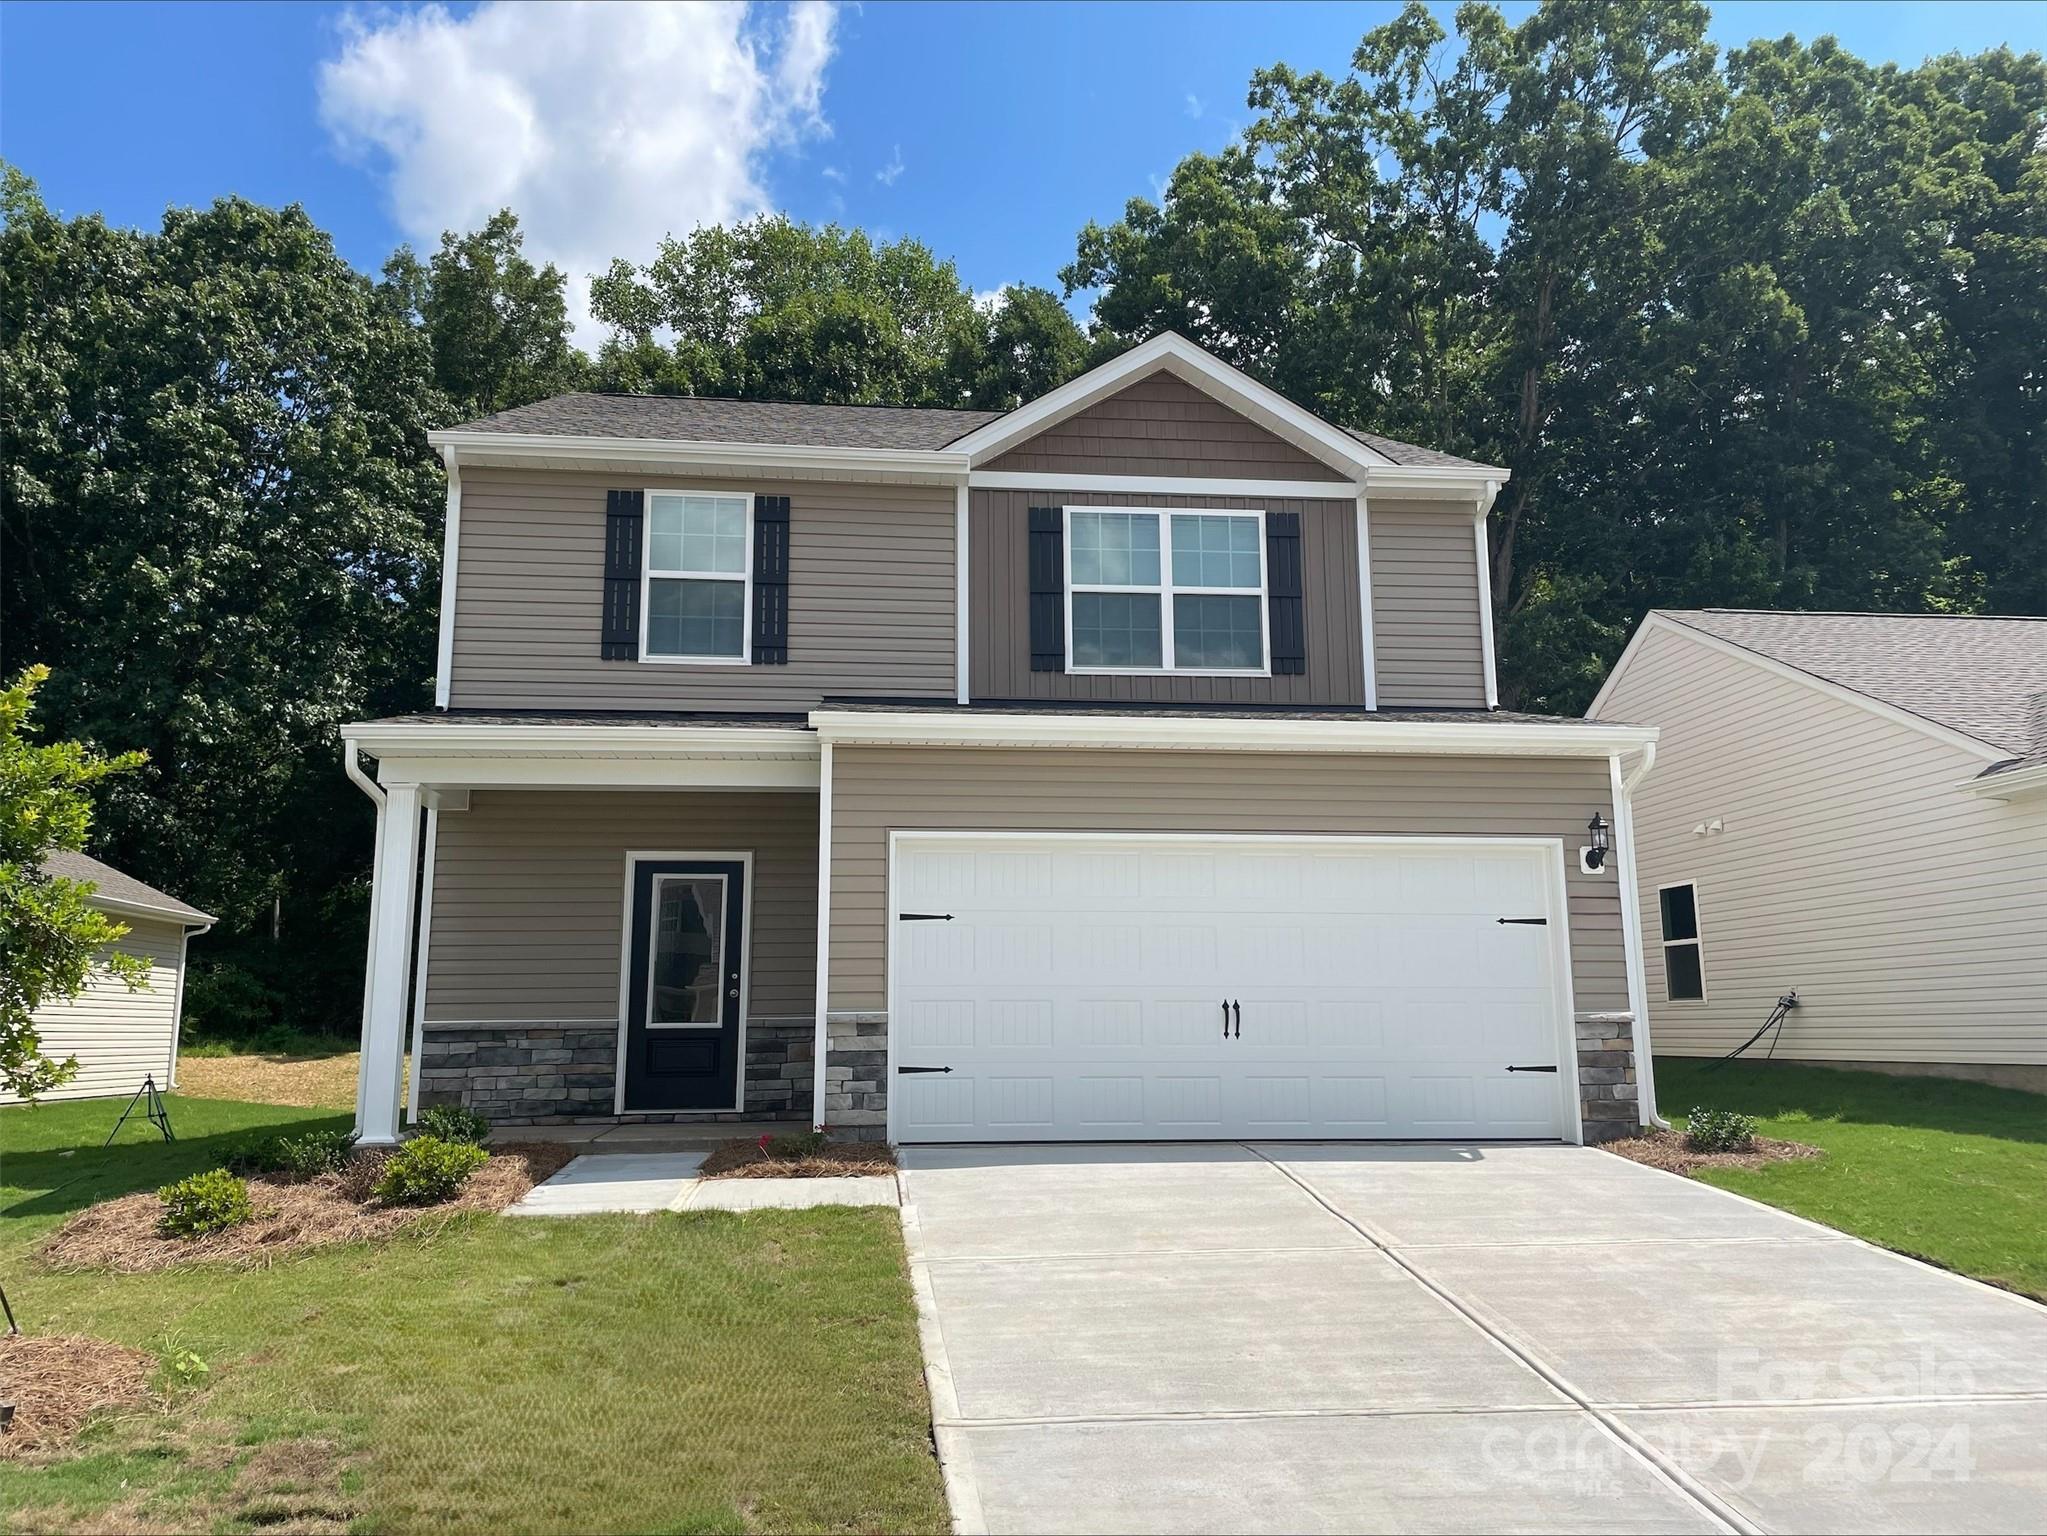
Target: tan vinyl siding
[1162, 425]
[529, 894]
[998, 607]
[119, 1037]
[1425, 615]
[879, 789]
[1910, 917]
[871, 595]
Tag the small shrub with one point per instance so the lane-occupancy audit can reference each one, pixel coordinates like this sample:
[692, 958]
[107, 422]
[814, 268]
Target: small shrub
[428, 1170]
[206, 1202]
[1719, 1130]
[452, 1122]
[304, 1156]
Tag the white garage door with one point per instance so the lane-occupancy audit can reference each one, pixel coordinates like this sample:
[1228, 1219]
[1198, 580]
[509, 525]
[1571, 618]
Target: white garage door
[1075, 988]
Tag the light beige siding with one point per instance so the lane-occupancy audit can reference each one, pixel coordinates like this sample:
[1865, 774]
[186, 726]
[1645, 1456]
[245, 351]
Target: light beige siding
[998, 607]
[1910, 918]
[871, 597]
[529, 893]
[1425, 614]
[119, 1036]
[879, 789]
[1162, 425]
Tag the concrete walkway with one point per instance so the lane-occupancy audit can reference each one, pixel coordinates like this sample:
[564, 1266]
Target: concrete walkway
[641, 1183]
[1298, 1338]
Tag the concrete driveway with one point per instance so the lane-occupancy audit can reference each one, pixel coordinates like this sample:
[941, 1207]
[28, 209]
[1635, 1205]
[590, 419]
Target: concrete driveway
[1299, 1338]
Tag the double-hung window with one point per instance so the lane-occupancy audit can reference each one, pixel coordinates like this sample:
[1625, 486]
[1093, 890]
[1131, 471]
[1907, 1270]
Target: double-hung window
[698, 571]
[1684, 966]
[1166, 591]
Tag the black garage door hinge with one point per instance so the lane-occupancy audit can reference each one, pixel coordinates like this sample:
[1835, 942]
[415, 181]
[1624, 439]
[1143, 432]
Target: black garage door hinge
[948, 1069]
[1532, 922]
[923, 917]
[1531, 1069]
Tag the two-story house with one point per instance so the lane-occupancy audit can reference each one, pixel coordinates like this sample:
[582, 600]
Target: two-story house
[1126, 765]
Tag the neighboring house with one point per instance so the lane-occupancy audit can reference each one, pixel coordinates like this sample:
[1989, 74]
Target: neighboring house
[1124, 765]
[120, 1036]
[1852, 806]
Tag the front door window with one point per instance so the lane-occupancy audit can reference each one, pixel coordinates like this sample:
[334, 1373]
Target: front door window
[685, 985]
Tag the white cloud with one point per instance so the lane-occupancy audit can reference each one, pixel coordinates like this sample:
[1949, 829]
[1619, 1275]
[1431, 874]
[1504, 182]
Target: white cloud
[888, 173]
[603, 126]
[1194, 105]
[988, 300]
[835, 173]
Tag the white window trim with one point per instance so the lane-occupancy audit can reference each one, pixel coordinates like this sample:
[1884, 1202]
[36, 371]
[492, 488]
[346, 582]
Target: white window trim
[653, 946]
[1697, 941]
[648, 575]
[1166, 592]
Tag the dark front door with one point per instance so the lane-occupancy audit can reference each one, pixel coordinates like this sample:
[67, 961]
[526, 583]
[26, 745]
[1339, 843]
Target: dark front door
[683, 996]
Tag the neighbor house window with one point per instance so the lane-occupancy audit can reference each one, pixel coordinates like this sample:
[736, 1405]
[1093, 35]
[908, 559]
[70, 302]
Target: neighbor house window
[697, 574]
[1166, 591]
[1684, 969]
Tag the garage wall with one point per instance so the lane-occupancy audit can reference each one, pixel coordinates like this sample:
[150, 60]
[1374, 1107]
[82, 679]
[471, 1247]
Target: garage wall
[875, 789]
[119, 1036]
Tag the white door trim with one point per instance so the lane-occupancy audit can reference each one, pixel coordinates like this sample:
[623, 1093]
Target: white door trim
[633, 859]
[1559, 915]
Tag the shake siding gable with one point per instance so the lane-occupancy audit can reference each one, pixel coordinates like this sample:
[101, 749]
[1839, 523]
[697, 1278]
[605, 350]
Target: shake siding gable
[1910, 917]
[870, 595]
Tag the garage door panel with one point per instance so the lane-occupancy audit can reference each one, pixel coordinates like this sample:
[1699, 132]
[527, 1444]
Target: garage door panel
[1078, 992]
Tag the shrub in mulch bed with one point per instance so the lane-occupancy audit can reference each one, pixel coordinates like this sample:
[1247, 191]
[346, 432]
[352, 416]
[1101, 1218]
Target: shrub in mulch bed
[58, 1382]
[1670, 1151]
[805, 1155]
[288, 1216]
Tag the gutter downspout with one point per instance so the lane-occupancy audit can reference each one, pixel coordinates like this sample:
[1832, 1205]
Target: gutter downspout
[1624, 787]
[369, 786]
[821, 1046]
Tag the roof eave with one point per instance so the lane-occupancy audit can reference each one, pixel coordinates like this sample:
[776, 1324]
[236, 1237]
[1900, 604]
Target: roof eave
[515, 448]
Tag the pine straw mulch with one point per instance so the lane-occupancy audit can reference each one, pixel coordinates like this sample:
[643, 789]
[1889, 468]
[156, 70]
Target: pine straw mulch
[58, 1382]
[120, 1235]
[1667, 1150]
[834, 1160]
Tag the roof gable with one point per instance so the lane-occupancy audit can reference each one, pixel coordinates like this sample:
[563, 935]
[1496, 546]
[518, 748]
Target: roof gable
[114, 889]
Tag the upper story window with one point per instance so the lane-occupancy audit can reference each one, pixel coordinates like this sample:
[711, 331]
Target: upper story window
[698, 574]
[1166, 591]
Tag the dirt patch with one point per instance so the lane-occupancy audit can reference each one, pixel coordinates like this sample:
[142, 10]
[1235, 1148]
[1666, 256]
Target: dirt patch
[834, 1160]
[57, 1383]
[1667, 1150]
[121, 1235]
[307, 1082]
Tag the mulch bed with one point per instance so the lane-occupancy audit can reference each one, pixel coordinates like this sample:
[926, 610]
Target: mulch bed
[57, 1383]
[834, 1160]
[1667, 1150]
[121, 1235]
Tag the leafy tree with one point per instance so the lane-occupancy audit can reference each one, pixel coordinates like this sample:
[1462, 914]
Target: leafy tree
[1032, 347]
[51, 936]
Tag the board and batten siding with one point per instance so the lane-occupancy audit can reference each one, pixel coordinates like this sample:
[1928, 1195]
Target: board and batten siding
[119, 1037]
[871, 598]
[1161, 425]
[1909, 916]
[1425, 607]
[998, 607]
[879, 789]
[529, 891]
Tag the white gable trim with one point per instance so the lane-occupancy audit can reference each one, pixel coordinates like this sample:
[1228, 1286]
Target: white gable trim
[1660, 623]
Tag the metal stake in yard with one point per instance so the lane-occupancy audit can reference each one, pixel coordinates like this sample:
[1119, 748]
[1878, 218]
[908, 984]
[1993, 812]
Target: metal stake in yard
[159, 1113]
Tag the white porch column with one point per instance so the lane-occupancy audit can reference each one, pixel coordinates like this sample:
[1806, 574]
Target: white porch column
[385, 995]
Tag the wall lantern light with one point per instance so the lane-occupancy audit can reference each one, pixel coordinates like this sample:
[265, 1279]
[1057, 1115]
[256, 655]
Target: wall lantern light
[1595, 853]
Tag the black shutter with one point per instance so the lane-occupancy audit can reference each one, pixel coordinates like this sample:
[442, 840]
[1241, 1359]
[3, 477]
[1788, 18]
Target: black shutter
[1048, 589]
[771, 581]
[1283, 593]
[623, 511]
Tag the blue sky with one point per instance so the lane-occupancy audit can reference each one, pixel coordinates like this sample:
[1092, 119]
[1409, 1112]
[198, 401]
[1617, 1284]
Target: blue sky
[992, 132]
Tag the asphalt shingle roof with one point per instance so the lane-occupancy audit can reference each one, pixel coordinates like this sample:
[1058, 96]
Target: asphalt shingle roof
[1984, 677]
[693, 418]
[115, 886]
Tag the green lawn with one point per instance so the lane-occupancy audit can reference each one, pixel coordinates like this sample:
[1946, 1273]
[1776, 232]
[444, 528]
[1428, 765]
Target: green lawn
[702, 1372]
[1949, 1171]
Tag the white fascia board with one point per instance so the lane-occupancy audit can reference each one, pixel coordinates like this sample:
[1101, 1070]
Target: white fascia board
[1660, 622]
[687, 455]
[413, 738]
[1473, 483]
[1233, 734]
[1204, 370]
[1161, 485]
[590, 771]
[198, 922]
[2011, 784]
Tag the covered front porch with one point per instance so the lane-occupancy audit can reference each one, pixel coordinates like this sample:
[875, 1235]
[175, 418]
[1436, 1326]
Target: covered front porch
[591, 922]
